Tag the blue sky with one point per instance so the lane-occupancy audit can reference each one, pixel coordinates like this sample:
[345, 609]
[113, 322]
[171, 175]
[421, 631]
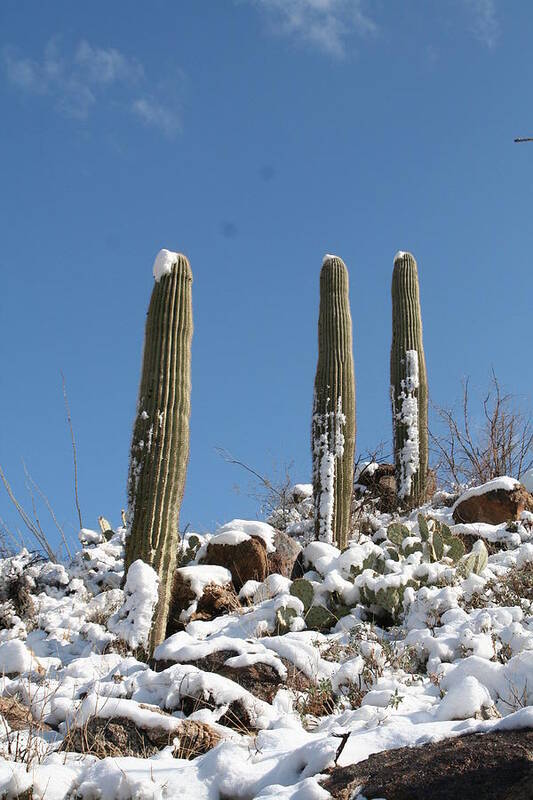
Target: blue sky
[254, 136]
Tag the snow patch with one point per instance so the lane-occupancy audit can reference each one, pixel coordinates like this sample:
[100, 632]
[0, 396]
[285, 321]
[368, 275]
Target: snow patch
[163, 264]
[133, 621]
[405, 412]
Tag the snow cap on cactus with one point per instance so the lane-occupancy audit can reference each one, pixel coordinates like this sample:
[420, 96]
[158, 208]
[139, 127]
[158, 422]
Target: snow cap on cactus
[164, 262]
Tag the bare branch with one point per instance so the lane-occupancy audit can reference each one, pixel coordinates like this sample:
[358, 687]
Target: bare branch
[34, 529]
[74, 453]
[502, 445]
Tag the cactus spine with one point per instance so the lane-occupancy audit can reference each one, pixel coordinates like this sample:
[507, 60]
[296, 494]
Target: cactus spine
[409, 390]
[160, 443]
[333, 421]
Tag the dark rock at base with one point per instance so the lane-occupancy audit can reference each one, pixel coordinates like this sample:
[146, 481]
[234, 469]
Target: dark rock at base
[490, 766]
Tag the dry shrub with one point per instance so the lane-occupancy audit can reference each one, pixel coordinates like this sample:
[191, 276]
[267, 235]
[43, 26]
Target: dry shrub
[501, 443]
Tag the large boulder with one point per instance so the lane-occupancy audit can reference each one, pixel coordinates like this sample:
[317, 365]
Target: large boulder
[490, 766]
[497, 501]
[245, 557]
[285, 560]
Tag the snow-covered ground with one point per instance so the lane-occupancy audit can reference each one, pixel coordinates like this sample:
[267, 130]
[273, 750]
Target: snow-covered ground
[424, 644]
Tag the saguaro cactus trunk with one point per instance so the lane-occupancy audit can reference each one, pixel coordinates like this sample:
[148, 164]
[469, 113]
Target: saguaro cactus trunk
[160, 444]
[409, 389]
[333, 422]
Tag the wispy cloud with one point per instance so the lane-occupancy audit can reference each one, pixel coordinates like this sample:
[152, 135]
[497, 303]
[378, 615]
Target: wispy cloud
[157, 114]
[484, 20]
[324, 24]
[76, 80]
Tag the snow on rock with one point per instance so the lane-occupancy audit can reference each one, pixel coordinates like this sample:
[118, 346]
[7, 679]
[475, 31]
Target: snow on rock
[133, 621]
[302, 491]
[183, 647]
[229, 537]
[94, 705]
[237, 527]
[505, 483]
[198, 576]
[464, 699]
[163, 264]
[15, 657]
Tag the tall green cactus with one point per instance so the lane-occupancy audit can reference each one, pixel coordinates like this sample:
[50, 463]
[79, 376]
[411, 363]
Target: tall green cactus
[409, 389]
[333, 422]
[160, 444]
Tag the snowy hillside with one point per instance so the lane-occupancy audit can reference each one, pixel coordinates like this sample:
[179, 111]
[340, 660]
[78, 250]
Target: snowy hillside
[420, 630]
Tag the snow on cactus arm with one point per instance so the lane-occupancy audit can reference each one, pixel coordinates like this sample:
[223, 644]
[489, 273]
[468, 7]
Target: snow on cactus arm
[409, 393]
[133, 621]
[333, 418]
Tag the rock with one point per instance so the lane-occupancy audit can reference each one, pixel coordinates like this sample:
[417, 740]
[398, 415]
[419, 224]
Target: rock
[379, 477]
[119, 736]
[380, 481]
[215, 601]
[181, 599]
[301, 492]
[261, 679]
[491, 766]
[285, 558]
[246, 560]
[493, 506]
[19, 717]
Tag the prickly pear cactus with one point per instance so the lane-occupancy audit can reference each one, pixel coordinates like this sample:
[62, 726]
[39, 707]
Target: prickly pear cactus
[333, 421]
[284, 619]
[319, 618]
[409, 391]
[303, 590]
[160, 444]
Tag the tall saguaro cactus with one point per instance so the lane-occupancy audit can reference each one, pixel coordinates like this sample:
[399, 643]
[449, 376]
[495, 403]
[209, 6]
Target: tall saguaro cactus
[160, 444]
[409, 388]
[333, 422]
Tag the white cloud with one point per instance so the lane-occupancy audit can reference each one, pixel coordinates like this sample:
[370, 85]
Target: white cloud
[78, 79]
[485, 24]
[158, 115]
[325, 24]
[107, 66]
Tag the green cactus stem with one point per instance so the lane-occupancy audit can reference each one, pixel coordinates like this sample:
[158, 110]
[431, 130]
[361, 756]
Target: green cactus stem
[409, 390]
[303, 590]
[160, 443]
[333, 422]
